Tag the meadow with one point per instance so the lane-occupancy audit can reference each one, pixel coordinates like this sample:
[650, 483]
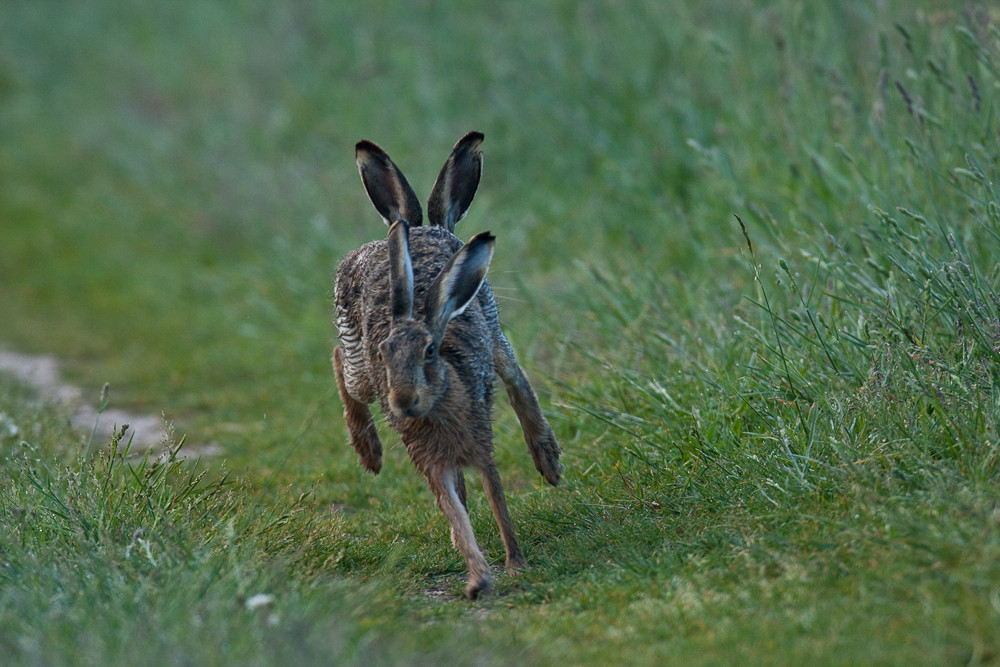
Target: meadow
[747, 252]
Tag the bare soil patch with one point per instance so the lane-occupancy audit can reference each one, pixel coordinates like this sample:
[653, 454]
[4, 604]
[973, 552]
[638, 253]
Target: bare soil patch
[146, 431]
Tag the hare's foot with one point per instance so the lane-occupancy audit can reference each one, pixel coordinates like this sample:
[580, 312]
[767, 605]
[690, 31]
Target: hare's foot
[369, 449]
[478, 584]
[516, 563]
[545, 453]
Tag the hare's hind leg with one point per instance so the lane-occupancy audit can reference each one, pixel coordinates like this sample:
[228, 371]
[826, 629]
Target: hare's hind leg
[443, 483]
[537, 433]
[494, 492]
[360, 425]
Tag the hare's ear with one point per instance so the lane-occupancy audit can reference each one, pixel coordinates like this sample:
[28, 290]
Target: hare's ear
[457, 284]
[392, 196]
[456, 184]
[400, 272]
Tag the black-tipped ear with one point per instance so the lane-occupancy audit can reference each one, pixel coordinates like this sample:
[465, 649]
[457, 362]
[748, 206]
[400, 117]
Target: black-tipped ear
[457, 183]
[400, 271]
[456, 286]
[392, 196]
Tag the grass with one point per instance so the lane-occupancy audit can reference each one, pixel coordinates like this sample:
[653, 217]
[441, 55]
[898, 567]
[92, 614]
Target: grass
[747, 251]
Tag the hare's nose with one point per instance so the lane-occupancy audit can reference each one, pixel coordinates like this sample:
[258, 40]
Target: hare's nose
[406, 403]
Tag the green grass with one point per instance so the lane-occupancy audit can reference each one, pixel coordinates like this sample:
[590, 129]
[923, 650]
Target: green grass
[747, 251]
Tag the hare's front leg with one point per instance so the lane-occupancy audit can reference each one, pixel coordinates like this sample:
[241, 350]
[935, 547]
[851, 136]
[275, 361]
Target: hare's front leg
[537, 433]
[360, 425]
[462, 496]
[444, 484]
[494, 492]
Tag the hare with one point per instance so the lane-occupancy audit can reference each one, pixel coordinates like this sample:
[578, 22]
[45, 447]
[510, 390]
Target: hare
[419, 331]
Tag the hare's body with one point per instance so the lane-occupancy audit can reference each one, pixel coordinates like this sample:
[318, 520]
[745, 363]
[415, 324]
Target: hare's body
[453, 433]
[419, 333]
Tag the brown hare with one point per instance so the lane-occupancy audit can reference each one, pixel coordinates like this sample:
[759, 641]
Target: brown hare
[419, 332]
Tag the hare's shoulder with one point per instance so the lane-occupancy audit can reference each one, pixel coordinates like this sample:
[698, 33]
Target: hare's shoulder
[355, 270]
[357, 260]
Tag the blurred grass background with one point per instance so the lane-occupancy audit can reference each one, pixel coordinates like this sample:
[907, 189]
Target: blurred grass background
[179, 184]
[779, 430]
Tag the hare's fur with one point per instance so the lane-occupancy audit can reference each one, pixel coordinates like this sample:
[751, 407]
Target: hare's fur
[419, 332]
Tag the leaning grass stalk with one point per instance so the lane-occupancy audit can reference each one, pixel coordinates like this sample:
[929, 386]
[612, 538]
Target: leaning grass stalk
[767, 304]
[105, 392]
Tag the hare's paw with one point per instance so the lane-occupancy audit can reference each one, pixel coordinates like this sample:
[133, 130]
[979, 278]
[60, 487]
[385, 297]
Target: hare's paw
[369, 449]
[516, 564]
[478, 584]
[372, 463]
[545, 452]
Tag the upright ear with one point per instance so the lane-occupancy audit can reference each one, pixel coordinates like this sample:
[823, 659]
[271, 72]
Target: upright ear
[457, 183]
[457, 284]
[400, 272]
[392, 196]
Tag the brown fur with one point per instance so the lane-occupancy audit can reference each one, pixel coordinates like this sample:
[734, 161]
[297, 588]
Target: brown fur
[419, 333]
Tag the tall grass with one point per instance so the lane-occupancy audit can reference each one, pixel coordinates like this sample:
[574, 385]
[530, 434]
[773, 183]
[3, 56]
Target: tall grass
[859, 376]
[874, 302]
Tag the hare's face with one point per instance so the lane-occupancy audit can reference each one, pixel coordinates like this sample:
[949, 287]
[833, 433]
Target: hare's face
[413, 370]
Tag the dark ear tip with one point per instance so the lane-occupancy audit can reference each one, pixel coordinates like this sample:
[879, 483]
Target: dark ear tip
[471, 139]
[364, 146]
[483, 237]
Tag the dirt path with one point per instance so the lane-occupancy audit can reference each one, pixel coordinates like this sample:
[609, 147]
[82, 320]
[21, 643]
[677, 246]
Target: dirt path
[147, 431]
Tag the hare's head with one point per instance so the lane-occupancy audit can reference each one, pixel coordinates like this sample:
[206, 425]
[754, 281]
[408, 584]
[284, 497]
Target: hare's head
[415, 372]
[416, 375]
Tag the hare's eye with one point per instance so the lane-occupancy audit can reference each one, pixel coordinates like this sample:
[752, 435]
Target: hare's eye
[429, 351]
